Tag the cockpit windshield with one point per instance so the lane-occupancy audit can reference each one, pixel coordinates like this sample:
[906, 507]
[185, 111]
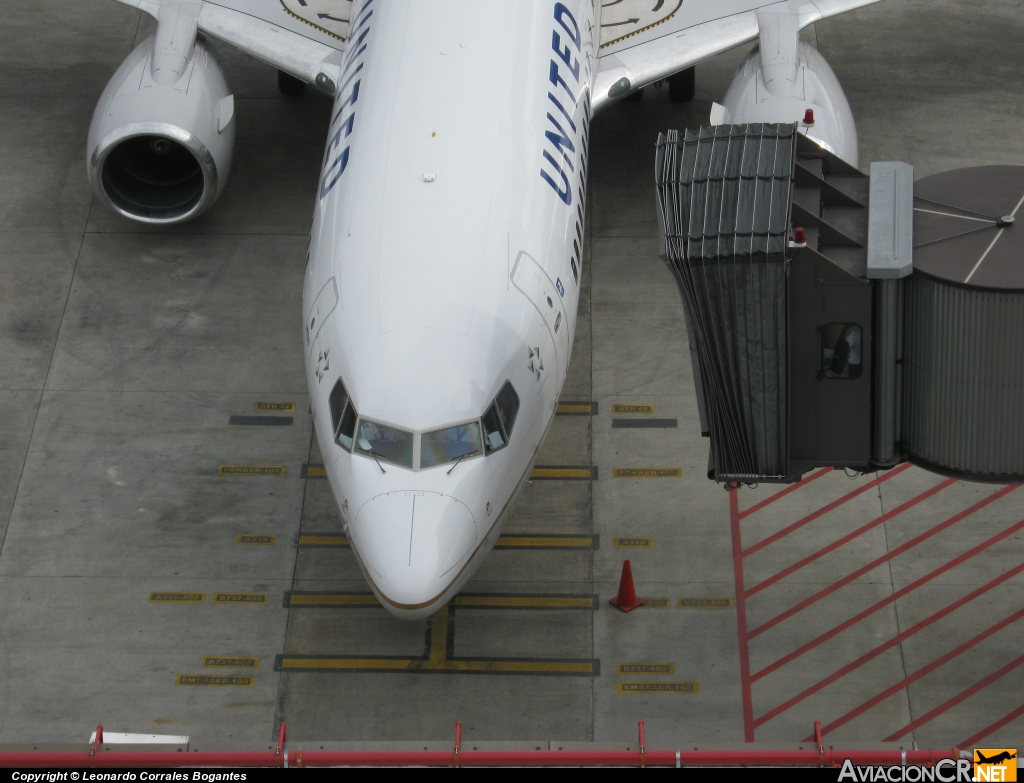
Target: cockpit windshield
[449, 444]
[384, 442]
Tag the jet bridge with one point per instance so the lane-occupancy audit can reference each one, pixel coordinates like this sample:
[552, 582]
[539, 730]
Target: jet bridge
[839, 319]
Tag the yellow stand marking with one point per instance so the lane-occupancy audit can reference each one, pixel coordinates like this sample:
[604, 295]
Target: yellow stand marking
[327, 599]
[657, 687]
[633, 543]
[252, 538]
[438, 660]
[241, 598]
[707, 603]
[620, 408]
[230, 662]
[575, 408]
[648, 473]
[562, 473]
[177, 598]
[237, 681]
[276, 407]
[251, 470]
[645, 668]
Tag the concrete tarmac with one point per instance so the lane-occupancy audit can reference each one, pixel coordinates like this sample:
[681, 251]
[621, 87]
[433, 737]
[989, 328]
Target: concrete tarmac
[884, 605]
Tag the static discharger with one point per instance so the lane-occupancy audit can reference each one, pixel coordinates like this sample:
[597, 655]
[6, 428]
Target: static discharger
[648, 473]
[230, 662]
[631, 408]
[627, 599]
[707, 603]
[241, 598]
[633, 543]
[251, 470]
[657, 687]
[177, 598]
[274, 407]
[257, 539]
[231, 681]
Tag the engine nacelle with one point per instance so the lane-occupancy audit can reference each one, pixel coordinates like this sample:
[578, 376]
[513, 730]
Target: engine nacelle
[781, 91]
[163, 133]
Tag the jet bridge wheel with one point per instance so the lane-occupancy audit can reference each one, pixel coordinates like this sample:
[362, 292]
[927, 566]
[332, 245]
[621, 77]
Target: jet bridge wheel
[682, 86]
[289, 85]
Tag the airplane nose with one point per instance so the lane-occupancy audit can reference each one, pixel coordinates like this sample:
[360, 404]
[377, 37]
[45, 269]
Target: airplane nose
[413, 541]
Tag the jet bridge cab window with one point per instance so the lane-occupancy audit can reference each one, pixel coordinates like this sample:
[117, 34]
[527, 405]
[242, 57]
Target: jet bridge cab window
[841, 351]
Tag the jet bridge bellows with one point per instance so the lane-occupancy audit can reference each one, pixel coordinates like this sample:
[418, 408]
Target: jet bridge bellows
[837, 319]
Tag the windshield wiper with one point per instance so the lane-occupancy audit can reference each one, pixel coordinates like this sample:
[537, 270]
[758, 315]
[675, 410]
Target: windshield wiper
[374, 454]
[467, 454]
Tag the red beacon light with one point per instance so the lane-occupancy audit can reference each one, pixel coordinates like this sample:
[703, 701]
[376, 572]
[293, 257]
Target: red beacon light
[809, 117]
[799, 236]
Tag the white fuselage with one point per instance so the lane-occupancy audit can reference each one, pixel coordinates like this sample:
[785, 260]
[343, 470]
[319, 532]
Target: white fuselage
[444, 262]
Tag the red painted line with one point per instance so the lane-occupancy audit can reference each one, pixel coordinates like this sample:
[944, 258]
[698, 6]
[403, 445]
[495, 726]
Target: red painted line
[878, 561]
[889, 600]
[849, 537]
[969, 743]
[922, 672]
[822, 511]
[932, 714]
[741, 617]
[889, 644]
[791, 488]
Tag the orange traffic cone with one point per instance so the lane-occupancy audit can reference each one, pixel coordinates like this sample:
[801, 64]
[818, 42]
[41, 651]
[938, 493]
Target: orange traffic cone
[626, 599]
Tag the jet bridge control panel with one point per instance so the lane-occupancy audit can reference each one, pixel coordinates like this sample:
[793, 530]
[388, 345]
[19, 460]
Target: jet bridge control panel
[840, 319]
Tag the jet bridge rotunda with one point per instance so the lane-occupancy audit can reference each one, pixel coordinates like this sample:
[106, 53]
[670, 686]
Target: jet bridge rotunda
[837, 319]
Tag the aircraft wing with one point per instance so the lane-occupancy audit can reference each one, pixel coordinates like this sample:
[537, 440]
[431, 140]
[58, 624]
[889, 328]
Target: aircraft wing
[646, 40]
[301, 37]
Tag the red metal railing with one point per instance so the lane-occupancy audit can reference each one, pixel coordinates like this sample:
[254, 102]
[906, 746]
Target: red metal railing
[457, 757]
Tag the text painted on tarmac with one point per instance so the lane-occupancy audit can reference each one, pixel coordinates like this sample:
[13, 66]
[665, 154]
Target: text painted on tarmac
[251, 470]
[241, 598]
[230, 662]
[276, 407]
[633, 543]
[623, 408]
[706, 603]
[237, 681]
[254, 538]
[648, 473]
[657, 687]
[177, 598]
[645, 668]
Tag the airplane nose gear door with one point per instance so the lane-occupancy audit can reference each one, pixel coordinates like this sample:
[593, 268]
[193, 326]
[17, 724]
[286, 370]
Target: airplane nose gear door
[534, 283]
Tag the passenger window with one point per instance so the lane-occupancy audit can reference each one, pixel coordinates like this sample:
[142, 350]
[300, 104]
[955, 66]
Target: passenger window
[343, 436]
[841, 351]
[449, 444]
[337, 404]
[374, 439]
[508, 406]
[494, 437]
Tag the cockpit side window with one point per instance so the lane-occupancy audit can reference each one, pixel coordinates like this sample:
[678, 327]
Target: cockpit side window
[338, 399]
[494, 436]
[507, 402]
[449, 444]
[345, 431]
[385, 442]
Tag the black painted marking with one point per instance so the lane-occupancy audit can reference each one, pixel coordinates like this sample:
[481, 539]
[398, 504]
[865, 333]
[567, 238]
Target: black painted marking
[262, 421]
[644, 424]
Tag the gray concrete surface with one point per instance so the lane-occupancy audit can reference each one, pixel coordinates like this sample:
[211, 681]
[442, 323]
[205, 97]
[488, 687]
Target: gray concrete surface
[127, 349]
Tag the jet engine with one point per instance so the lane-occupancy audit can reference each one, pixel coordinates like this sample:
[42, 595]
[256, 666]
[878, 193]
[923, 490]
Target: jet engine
[787, 80]
[163, 132]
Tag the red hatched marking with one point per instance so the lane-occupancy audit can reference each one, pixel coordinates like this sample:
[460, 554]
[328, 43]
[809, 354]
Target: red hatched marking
[922, 672]
[888, 645]
[821, 511]
[992, 727]
[884, 558]
[887, 601]
[791, 488]
[932, 714]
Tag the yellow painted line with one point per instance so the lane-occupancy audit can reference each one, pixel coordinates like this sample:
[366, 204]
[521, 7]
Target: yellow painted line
[655, 603]
[544, 472]
[648, 473]
[251, 470]
[707, 603]
[657, 687]
[253, 538]
[237, 681]
[645, 668]
[314, 472]
[230, 662]
[177, 598]
[525, 601]
[633, 543]
[620, 408]
[545, 542]
[576, 409]
[276, 407]
[332, 599]
[318, 540]
[241, 598]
